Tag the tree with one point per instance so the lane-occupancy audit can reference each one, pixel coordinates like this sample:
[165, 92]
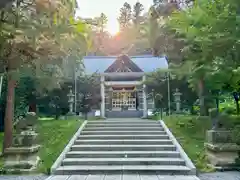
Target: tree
[89, 92]
[32, 34]
[102, 22]
[100, 34]
[125, 16]
[157, 81]
[205, 28]
[137, 11]
[153, 27]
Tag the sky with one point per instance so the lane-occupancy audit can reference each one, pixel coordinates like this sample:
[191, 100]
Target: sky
[93, 8]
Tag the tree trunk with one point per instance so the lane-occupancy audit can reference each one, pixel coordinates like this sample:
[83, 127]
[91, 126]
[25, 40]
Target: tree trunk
[236, 96]
[32, 107]
[8, 120]
[237, 107]
[201, 97]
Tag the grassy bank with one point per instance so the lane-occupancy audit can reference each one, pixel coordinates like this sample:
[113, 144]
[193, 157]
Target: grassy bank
[54, 135]
[190, 131]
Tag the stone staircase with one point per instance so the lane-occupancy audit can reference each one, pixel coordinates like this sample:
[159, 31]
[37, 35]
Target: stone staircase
[124, 145]
[124, 114]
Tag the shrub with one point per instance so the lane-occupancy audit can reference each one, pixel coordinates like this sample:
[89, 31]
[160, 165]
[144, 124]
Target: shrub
[225, 120]
[228, 107]
[196, 109]
[229, 110]
[229, 122]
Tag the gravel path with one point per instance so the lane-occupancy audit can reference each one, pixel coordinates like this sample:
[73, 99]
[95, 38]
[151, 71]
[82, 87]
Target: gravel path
[207, 176]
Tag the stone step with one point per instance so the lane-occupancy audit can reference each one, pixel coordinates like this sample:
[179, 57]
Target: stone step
[124, 122]
[123, 125]
[122, 161]
[124, 129]
[124, 136]
[84, 132]
[123, 141]
[124, 114]
[163, 170]
[122, 154]
[123, 148]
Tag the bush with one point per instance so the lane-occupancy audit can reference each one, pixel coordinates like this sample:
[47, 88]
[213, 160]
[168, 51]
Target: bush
[226, 121]
[228, 107]
[195, 110]
[230, 110]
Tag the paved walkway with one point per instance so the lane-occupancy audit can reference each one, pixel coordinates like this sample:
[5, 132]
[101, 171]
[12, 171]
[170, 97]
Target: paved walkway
[122, 177]
[207, 176]
[220, 176]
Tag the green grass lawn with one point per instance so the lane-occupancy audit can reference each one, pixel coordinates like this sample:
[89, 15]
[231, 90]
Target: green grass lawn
[190, 132]
[54, 135]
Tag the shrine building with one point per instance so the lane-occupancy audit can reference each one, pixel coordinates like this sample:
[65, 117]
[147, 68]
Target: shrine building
[123, 91]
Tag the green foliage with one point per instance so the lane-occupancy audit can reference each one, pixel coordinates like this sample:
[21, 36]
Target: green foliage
[190, 132]
[89, 90]
[229, 122]
[157, 81]
[205, 28]
[54, 135]
[228, 110]
[55, 101]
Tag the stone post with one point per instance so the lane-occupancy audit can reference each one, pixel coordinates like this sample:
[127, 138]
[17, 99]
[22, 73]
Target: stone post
[102, 96]
[144, 98]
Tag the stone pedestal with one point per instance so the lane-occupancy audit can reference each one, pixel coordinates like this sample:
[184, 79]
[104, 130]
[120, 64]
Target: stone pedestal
[22, 157]
[220, 149]
[178, 106]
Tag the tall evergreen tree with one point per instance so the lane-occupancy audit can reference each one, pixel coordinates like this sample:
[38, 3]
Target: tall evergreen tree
[125, 16]
[137, 12]
[102, 21]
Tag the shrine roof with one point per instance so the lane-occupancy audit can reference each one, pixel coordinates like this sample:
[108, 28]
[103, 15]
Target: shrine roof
[147, 63]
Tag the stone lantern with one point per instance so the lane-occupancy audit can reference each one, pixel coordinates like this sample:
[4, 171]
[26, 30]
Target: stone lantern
[177, 99]
[22, 156]
[70, 101]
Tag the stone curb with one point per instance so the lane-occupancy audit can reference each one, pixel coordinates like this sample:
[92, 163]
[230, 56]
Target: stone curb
[188, 161]
[59, 160]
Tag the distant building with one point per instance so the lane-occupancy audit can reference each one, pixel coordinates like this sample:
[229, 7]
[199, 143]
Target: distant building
[123, 92]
